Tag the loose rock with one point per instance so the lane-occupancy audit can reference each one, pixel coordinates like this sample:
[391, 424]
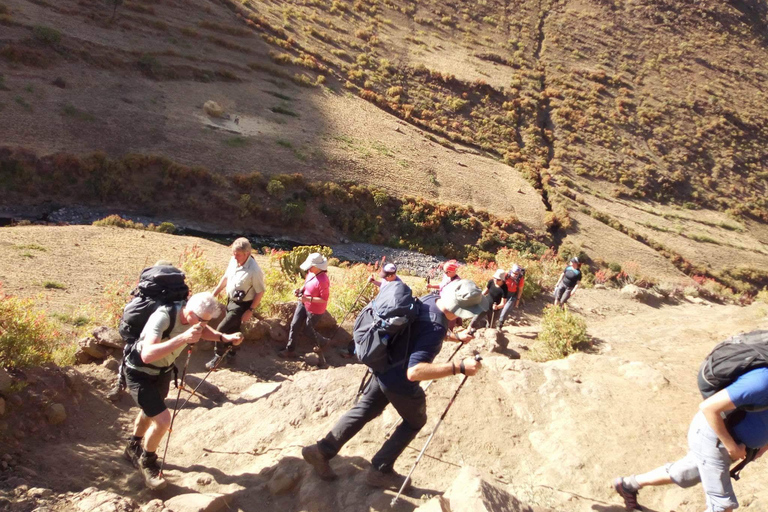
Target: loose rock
[5, 381]
[56, 413]
[283, 479]
[91, 347]
[111, 364]
[94, 500]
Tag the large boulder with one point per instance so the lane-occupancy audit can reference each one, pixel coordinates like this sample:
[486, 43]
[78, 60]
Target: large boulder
[255, 330]
[471, 492]
[91, 347]
[634, 292]
[108, 337]
[326, 322]
[94, 500]
[284, 311]
[213, 109]
[195, 502]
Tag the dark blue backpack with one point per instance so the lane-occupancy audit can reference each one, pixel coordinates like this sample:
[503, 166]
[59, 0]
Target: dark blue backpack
[385, 321]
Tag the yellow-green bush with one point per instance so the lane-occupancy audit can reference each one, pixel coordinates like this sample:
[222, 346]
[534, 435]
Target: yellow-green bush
[28, 337]
[290, 261]
[562, 333]
[353, 285]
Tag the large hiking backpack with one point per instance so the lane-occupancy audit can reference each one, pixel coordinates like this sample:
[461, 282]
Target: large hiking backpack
[731, 359]
[158, 286]
[383, 323]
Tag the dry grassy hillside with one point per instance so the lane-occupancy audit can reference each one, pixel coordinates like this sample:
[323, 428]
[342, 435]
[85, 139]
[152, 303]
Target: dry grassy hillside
[634, 130]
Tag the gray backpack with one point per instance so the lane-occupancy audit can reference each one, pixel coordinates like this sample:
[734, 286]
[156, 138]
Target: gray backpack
[385, 321]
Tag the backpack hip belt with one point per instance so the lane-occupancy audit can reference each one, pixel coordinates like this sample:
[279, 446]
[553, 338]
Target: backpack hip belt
[149, 369]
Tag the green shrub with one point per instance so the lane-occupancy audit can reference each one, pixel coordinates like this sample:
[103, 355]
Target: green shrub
[46, 35]
[28, 337]
[562, 333]
[275, 188]
[53, 285]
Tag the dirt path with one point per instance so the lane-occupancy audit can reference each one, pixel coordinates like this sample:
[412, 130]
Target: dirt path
[553, 434]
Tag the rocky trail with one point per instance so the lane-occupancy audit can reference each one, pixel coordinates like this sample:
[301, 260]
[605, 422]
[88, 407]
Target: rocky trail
[545, 435]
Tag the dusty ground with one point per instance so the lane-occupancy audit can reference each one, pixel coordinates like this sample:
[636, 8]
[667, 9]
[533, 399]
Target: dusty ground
[553, 434]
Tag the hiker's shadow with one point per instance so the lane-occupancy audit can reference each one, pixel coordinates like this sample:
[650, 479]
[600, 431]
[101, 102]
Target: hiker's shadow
[291, 484]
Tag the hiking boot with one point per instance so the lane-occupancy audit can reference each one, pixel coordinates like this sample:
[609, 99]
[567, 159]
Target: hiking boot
[288, 354]
[386, 480]
[317, 460]
[150, 470]
[133, 452]
[630, 497]
[114, 394]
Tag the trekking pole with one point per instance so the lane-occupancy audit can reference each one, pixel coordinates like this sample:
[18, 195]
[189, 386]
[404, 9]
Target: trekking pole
[421, 454]
[175, 407]
[194, 391]
[393, 427]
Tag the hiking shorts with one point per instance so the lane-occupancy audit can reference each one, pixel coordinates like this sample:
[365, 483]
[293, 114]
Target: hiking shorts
[148, 391]
[708, 463]
[562, 293]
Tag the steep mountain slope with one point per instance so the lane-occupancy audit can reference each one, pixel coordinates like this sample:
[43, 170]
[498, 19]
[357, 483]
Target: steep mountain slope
[647, 116]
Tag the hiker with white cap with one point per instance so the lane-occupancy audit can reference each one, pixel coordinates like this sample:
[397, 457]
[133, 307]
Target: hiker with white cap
[568, 282]
[515, 282]
[398, 383]
[496, 290]
[450, 269]
[388, 274]
[313, 301]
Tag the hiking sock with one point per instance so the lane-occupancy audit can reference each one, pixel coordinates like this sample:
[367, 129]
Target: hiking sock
[630, 483]
[148, 456]
[136, 439]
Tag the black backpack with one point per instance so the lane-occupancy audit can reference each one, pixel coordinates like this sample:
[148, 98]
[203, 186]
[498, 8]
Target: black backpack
[382, 323]
[158, 286]
[731, 359]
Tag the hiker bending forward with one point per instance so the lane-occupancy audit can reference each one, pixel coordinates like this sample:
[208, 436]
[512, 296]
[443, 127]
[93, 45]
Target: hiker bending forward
[148, 372]
[399, 385]
[714, 444]
[244, 282]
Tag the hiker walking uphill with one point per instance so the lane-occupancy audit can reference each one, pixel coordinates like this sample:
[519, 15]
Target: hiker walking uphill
[496, 290]
[160, 284]
[396, 380]
[169, 330]
[568, 282]
[244, 282]
[450, 275]
[731, 424]
[515, 283]
[313, 301]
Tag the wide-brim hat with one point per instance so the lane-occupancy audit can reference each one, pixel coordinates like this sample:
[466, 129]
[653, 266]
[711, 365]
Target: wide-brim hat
[315, 260]
[500, 274]
[464, 299]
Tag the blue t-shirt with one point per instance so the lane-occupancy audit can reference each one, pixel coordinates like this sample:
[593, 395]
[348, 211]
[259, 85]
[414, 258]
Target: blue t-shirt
[425, 342]
[751, 389]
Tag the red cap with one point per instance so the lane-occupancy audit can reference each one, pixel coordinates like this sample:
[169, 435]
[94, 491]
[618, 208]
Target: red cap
[451, 266]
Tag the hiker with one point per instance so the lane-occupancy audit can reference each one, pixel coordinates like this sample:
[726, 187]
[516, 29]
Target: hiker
[313, 301]
[515, 283]
[496, 289]
[731, 424]
[159, 284]
[568, 282]
[399, 383]
[450, 268]
[169, 330]
[388, 274]
[244, 282]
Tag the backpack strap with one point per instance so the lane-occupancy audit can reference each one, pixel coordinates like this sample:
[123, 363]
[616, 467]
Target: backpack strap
[172, 310]
[735, 472]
